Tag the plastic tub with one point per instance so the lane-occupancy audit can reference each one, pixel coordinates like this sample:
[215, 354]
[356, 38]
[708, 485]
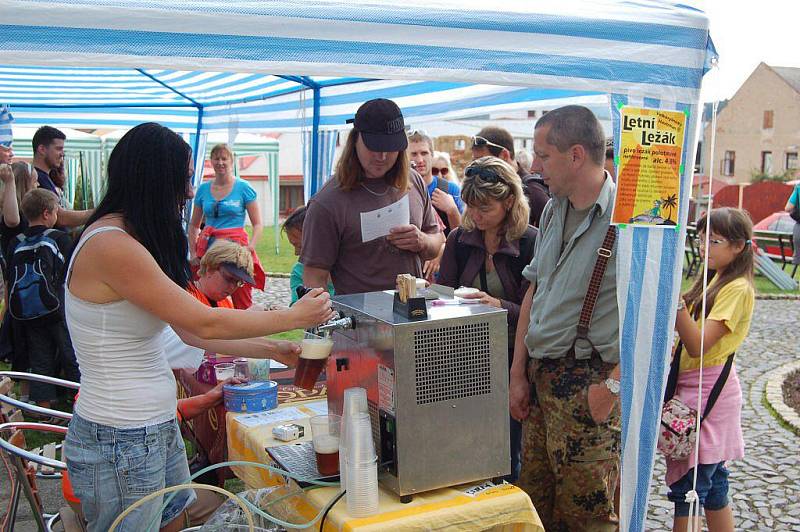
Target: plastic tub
[251, 396]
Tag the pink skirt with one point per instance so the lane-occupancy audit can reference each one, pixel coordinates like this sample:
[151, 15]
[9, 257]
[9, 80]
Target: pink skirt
[721, 432]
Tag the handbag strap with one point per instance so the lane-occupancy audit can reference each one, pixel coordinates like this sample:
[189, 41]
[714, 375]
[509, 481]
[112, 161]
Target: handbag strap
[593, 292]
[717, 389]
[672, 380]
[484, 282]
[674, 368]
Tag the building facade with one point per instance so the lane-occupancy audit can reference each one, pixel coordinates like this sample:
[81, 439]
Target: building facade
[758, 131]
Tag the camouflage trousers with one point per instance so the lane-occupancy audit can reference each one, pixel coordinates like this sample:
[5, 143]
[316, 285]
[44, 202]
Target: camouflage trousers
[570, 464]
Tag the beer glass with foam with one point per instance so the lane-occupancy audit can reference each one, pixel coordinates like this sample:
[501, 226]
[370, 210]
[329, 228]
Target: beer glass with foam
[325, 432]
[314, 356]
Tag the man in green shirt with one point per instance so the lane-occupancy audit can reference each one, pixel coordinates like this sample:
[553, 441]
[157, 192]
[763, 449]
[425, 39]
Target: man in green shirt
[564, 387]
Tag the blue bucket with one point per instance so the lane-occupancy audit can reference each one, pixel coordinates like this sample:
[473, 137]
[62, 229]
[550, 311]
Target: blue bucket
[250, 397]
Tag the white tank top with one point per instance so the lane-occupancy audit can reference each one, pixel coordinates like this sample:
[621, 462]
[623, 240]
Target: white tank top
[126, 381]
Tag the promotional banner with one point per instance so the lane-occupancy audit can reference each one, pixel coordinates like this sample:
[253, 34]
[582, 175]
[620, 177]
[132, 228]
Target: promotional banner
[649, 166]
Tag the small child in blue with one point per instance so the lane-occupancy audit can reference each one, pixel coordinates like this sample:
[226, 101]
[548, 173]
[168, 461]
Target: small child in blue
[293, 227]
[36, 267]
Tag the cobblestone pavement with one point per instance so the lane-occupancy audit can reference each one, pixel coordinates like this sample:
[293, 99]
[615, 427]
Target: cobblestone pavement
[765, 485]
[277, 292]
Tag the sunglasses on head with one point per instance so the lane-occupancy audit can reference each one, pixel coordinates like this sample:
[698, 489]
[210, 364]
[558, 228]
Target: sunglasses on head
[486, 174]
[481, 142]
[436, 171]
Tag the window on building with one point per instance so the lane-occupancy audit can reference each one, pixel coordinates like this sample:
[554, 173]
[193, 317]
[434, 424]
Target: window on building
[791, 161]
[766, 162]
[460, 144]
[728, 163]
[698, 156]
[769, 117]
[531, 113]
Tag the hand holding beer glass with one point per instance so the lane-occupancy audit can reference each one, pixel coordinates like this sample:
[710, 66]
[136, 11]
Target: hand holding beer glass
[325, 438]
[313, 357]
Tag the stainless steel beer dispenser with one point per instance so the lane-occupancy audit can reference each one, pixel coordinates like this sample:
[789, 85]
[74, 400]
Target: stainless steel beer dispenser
[437, 388]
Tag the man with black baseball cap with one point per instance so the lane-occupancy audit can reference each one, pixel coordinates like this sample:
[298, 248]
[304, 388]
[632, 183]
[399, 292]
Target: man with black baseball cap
[372, 173]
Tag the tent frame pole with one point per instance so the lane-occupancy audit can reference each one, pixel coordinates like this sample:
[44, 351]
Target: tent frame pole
[315, 143]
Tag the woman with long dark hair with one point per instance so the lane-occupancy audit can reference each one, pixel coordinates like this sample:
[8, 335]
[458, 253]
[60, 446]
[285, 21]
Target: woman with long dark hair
[123, 441]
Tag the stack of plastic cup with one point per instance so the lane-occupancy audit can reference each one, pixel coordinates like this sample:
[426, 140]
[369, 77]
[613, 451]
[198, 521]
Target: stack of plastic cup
[362, 467]
[355, 402]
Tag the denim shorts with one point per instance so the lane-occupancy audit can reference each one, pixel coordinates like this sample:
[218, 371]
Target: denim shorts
[712, 488]
[112, 468]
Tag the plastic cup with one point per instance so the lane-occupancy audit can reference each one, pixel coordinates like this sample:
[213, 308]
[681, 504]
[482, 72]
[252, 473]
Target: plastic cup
[355, 402]
[314, 356]
[224, 371]
[360, 445]
[259, 369]
[325, 438]
[241, 368]
[362, 488]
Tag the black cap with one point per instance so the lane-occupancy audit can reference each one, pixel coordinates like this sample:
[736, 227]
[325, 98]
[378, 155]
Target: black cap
[381, 125]
[238, 272]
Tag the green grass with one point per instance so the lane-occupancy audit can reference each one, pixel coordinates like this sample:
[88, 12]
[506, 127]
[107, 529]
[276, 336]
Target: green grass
[777, 416]
[265, 248]
[295, 335]
[762, 284]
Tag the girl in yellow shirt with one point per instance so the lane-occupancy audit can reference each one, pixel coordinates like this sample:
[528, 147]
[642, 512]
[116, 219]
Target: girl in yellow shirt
[728, 311]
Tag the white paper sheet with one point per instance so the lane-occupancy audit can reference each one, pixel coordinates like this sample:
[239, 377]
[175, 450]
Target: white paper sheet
[274, 364]
[320, 408]
[377, 223]
[270, 417]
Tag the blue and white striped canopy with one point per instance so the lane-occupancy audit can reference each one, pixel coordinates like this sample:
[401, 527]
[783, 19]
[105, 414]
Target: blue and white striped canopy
[205, 65]
[104, 63]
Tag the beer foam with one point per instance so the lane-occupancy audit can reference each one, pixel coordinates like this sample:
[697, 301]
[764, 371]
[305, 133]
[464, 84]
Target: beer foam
[316, 348]
[326, 444]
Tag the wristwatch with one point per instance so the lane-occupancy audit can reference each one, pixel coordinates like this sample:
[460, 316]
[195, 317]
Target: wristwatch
[612, 385]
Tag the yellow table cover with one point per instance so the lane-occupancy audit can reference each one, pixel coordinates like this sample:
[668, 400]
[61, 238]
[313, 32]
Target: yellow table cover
[471, 507]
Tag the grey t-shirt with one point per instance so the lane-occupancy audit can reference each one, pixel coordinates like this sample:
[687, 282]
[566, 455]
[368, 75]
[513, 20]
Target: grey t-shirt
[573, 220]
[332, 237]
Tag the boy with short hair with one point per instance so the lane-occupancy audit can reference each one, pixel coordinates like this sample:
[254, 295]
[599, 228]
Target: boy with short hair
[36, 268]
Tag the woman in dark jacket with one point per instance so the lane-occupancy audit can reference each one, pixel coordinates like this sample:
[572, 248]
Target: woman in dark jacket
[490, 250]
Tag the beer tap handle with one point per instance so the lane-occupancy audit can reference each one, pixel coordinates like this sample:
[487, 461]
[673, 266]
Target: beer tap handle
[301, 291]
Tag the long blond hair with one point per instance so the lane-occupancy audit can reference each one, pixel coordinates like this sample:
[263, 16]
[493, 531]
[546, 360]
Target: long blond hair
[349, 172]
[478, 189]
[735, 226]
[23, 175]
